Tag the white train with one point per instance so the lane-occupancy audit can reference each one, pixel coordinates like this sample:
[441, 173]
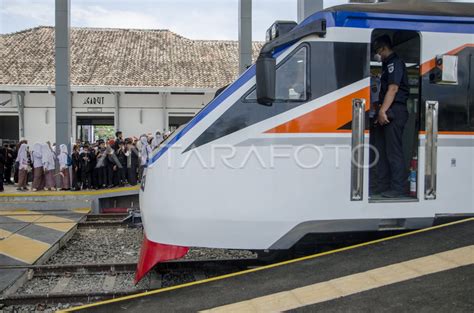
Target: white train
[284, 150]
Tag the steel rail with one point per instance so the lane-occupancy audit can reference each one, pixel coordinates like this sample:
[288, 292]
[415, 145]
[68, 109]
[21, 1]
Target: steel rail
[86, 297]
[102, 224]
[127, 267]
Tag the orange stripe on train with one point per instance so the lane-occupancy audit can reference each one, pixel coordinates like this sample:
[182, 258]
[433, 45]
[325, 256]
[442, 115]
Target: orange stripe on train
[450, 132]
[328, 118]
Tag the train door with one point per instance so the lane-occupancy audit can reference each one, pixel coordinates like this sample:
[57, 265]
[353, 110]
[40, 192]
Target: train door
[407, 45]
[446, 95]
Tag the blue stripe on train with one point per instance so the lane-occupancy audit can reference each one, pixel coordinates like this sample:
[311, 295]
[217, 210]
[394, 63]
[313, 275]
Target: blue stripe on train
[206, 110]
[441, 24]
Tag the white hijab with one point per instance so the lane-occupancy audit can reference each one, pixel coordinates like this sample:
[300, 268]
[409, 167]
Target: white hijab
[144, 151]
[37, 147]
[157, 139]
[63, 148]
[63, 156]
[37, 156]
[22, 157]
[48, 157]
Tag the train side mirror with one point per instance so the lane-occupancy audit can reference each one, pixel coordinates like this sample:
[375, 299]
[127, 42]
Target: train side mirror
[266, 72]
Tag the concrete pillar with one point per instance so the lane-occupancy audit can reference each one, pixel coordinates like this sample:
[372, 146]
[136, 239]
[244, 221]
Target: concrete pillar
[20, 102]
[164, 103]
[245, 35]
[307, 7]
[117, 111]
[63, 88]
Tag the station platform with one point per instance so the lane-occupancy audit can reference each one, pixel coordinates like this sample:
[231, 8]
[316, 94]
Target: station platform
[47, 200]
[29, 237]
[11, 193]
[430, 270]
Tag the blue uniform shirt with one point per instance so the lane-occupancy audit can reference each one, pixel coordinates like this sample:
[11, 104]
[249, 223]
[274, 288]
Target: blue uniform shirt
[394, 72]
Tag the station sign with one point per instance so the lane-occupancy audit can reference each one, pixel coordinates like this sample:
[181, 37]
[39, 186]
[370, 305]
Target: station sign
[93, 100]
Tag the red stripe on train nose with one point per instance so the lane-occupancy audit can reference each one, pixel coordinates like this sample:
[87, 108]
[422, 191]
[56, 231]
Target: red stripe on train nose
[153, 253]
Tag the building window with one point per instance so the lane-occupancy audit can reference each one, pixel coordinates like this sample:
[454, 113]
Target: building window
[174, 121]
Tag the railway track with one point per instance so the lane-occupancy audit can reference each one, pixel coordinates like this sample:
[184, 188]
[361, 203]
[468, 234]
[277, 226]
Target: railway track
[105, 220]
[107, 275]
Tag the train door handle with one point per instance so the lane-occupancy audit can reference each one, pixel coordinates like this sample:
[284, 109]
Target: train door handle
[357, 149]
[431, 148]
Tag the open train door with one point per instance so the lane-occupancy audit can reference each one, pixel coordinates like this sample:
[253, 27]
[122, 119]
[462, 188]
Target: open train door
[407, 45]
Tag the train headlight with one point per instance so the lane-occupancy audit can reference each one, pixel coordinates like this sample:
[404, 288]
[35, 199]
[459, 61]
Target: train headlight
[279, 28]
[268, 36]
[274, 31]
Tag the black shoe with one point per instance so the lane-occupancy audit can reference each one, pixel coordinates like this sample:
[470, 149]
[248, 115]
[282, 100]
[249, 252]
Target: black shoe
[392, 194]
[375, 191]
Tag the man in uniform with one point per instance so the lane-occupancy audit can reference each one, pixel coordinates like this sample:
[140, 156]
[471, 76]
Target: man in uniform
[390, 121]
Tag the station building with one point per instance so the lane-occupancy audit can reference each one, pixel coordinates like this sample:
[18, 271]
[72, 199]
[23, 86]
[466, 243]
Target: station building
[138, 81]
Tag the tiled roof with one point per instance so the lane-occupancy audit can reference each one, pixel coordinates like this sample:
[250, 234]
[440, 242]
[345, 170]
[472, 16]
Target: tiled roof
[120, 57]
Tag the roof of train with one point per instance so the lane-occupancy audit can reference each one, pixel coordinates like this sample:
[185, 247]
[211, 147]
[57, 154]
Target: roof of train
[414, 8]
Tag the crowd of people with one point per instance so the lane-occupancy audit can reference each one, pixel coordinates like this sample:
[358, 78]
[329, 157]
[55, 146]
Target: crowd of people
[104, 164]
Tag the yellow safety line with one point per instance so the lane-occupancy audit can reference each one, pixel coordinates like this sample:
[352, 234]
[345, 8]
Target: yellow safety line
[147, 293]
[27, 217]
[59, 226]
[55, 222]
[58, 223]
[18, 212]
[54, 219]
[50, 221]
[351, 284]
[69, 193]
[23, 248]
[82, 210]
[5, 233]
[28, 212]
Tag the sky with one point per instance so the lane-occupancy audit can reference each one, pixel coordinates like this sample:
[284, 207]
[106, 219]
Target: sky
[194, 19]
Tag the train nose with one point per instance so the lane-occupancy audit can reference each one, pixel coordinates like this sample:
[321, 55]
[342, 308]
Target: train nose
[153, 252]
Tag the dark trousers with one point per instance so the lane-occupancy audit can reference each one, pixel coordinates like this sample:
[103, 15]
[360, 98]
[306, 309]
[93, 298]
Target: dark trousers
[1, 179]
[86, 180]
[141, 171]
[101, 176]
[373, 169]
[123, 175]
[15, 174]
[391, 169]
[110, 175]
[76, 179]
[7, 175]
[132, 175]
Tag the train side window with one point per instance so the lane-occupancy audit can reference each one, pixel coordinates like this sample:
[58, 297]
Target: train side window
[291, 78]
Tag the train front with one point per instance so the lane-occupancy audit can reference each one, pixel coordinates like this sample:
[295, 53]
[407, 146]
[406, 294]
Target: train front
[153, 252]
[213, 183]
